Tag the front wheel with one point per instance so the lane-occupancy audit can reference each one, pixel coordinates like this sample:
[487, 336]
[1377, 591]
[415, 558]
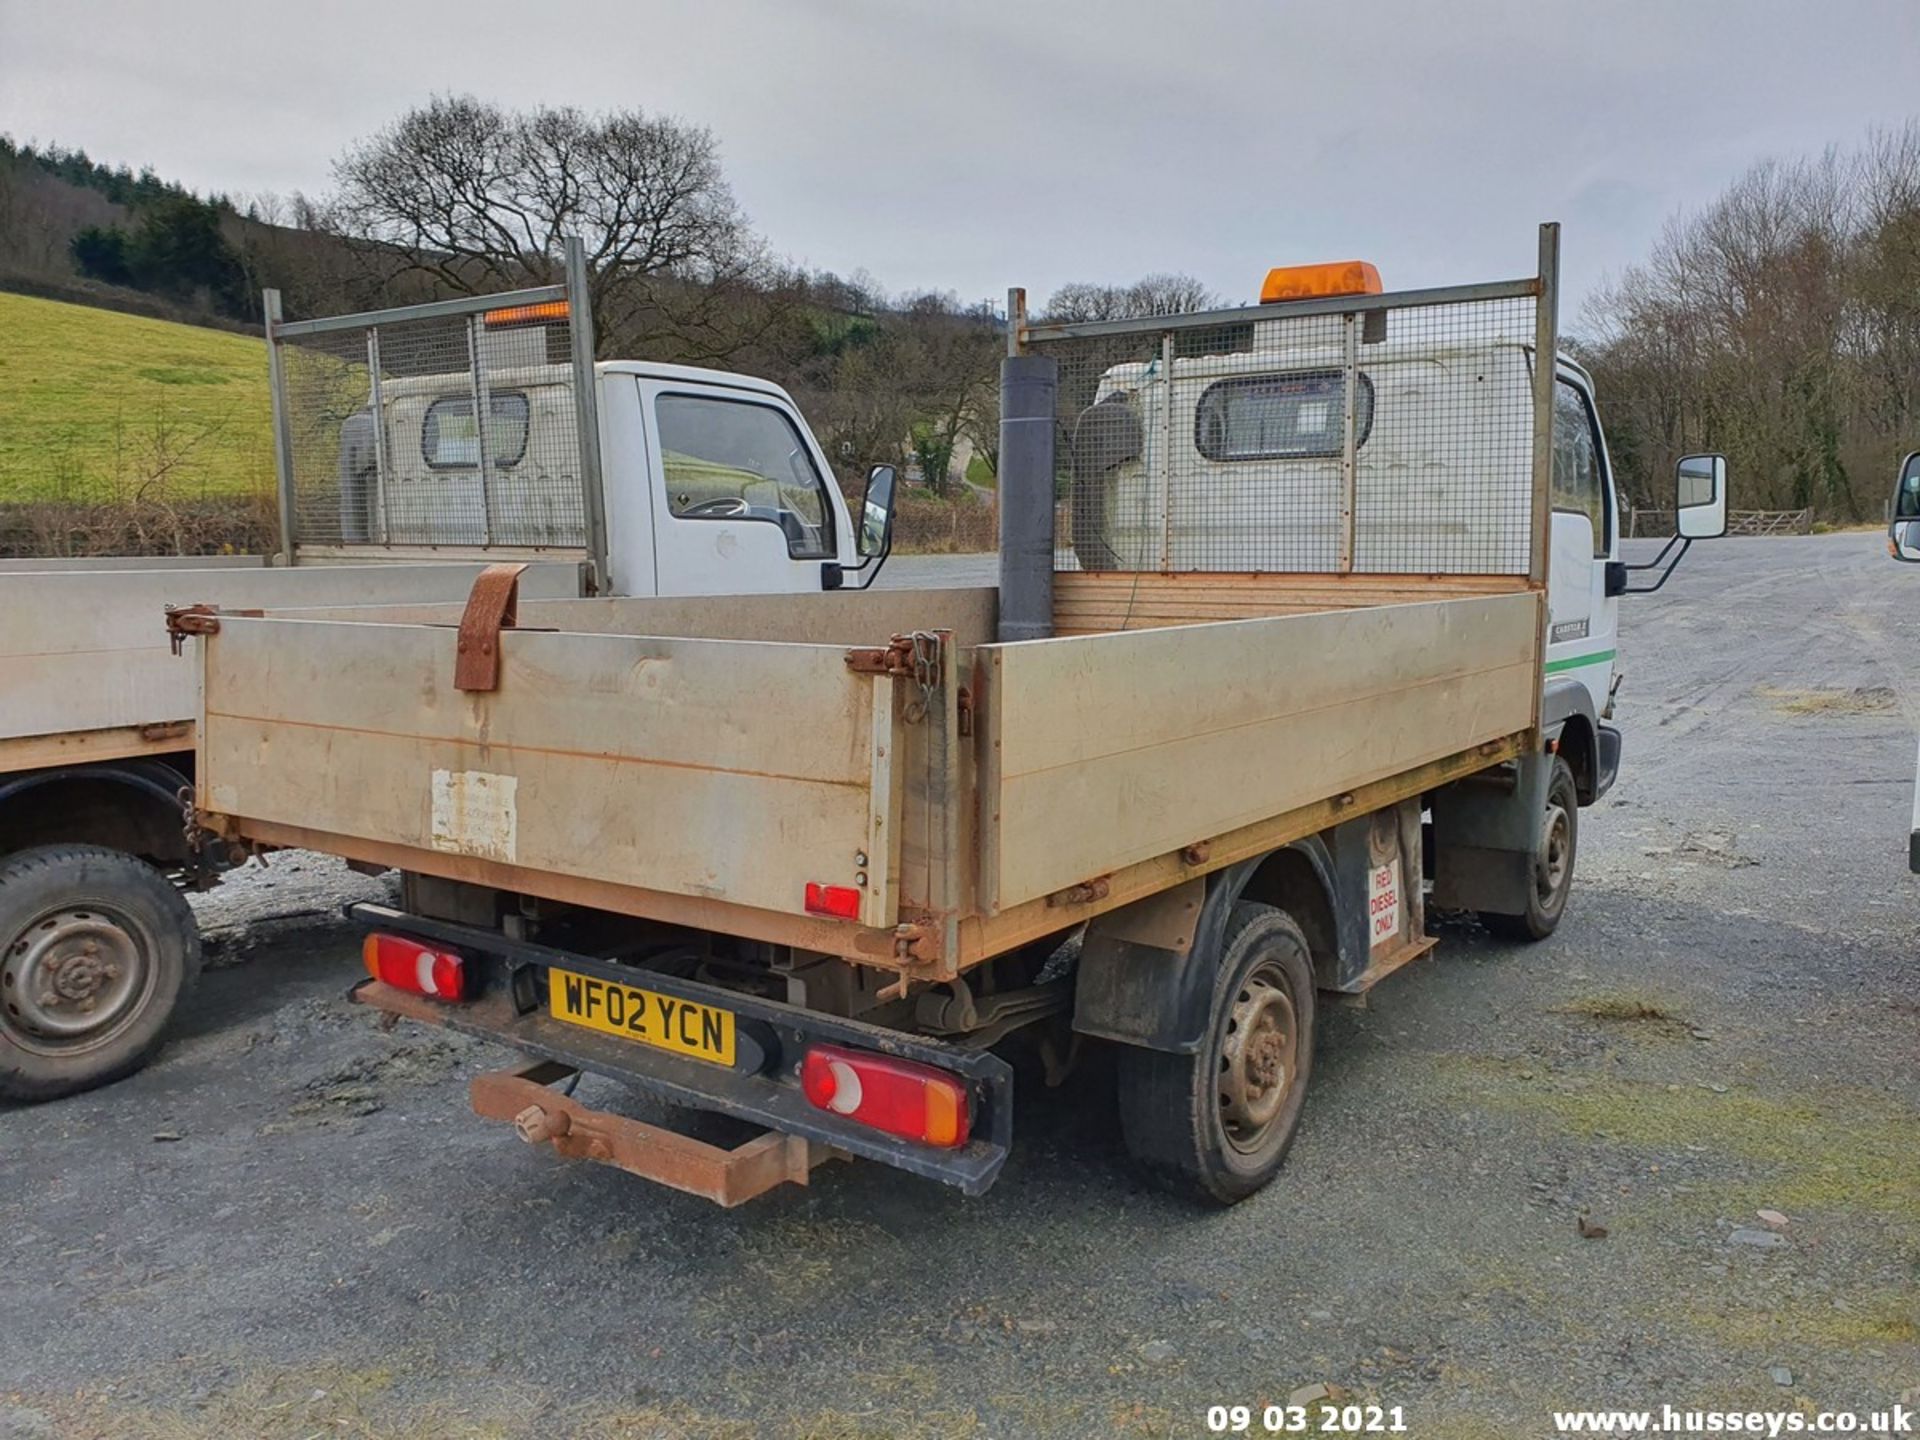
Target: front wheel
[1216, 1125]
[1553, 856]
[96, 949]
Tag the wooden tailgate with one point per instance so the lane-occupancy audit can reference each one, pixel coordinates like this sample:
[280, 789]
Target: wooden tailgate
[727, 770]
[1116, 748]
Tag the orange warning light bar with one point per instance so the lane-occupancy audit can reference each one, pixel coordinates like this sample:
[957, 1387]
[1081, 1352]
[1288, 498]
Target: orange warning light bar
[1315, 282]
[527, 314]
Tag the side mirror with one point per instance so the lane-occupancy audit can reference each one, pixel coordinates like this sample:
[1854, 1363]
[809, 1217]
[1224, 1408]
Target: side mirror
[1700, 497]
[1903, 530]
[876, 513]
[1903, 541]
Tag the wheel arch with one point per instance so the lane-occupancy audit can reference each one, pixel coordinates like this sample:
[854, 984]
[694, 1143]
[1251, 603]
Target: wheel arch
[1299, 879]
[128, 805]
[1159, 998]
[1567, 715]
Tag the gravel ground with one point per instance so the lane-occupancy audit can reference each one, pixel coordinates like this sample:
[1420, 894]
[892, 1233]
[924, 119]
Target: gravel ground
[291, 1226]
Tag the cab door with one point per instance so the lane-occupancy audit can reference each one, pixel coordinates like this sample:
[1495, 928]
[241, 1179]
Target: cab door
[740, 493]
[1583, 619]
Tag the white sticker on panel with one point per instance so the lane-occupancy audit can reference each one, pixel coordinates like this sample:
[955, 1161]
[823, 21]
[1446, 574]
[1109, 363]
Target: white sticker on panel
[1383, 902]
[473, 814]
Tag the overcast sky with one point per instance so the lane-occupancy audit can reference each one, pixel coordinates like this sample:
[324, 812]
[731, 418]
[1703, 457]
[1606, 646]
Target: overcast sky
[975, 145]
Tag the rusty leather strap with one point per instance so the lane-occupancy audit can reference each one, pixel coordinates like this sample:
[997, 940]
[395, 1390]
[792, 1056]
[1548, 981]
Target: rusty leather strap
[492, 606]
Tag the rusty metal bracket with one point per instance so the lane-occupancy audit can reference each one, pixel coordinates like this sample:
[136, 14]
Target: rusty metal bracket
[185, 620]
[493, 605]
[1085, 893]
[894, 658]
[913, 657]
[728, 1177]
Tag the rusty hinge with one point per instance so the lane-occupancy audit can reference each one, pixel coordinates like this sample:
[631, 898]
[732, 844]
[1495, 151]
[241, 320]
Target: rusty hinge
[894, 658]
[492, 606]
[908, 937]
[1084, 893]
[915, 657]
[185, 620]
[965, 702]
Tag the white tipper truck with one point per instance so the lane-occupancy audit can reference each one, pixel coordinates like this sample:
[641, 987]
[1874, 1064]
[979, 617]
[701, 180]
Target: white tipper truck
[1327, 641]
[389, 493]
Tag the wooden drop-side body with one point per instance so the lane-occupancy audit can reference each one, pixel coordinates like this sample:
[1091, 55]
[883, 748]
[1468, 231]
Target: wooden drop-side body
[702, 761]
[85, 672]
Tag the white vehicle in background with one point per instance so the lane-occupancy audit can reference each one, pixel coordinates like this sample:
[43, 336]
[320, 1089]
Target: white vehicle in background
[643, 480]
[1256, 443]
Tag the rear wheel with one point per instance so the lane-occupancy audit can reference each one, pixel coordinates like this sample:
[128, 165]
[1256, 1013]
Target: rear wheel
[1216, 1125]
[1553, 856]
[96, 949]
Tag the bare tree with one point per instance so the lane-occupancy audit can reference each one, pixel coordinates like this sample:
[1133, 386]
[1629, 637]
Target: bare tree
[480, 198]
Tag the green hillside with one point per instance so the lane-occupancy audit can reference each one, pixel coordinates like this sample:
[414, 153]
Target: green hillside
[96, 405]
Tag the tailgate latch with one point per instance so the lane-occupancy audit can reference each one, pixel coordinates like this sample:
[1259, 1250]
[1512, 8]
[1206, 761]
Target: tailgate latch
[185, 620]
[493, 605]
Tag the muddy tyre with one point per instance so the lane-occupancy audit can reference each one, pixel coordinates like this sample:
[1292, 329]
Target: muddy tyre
[1559, 843]
[96, 950]
[1216, 1125]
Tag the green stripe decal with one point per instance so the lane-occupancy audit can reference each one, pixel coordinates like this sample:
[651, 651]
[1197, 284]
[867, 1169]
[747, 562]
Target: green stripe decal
[1575, 662]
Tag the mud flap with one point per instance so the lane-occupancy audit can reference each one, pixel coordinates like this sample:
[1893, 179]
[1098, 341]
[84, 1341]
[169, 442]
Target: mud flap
[1485, 831]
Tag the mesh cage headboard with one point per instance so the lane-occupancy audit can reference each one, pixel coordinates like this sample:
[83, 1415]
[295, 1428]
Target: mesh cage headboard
[1368, 434]
[379, 440]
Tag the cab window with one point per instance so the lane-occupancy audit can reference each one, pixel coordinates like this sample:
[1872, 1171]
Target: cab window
[738, 460]
[1577, 486]
[1280, 417]
[449, 440]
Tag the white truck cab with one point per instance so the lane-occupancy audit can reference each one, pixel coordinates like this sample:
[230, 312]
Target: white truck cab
[711, 482]
[1583, 605]
[714, 486]
[1248, 471]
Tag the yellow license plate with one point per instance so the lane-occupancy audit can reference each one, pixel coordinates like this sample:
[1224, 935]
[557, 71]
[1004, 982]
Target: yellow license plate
[685, 1027]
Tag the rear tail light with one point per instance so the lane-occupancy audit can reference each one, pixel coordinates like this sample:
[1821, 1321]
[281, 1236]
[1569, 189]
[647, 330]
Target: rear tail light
[408, 965]
[840, 901]
[915, 1102]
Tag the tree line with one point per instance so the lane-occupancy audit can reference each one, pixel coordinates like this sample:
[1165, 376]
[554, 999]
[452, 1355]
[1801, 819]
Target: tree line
[1780, 323]
[460, 196]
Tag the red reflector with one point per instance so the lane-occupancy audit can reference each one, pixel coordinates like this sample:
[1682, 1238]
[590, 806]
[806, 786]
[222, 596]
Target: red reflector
[408, 965]
[840, 901]
[916, 1102]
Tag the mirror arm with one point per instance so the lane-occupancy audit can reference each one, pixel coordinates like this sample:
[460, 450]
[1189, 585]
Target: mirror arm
[877, 562]
[1672, 565]
[1654, 563]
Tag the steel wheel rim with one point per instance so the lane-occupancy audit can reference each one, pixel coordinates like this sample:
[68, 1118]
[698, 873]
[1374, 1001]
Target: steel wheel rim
[1556, 851]
[1258, 1058]
[73, 978]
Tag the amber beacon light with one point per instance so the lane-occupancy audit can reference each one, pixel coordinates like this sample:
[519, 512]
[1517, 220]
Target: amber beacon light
[1316, 282]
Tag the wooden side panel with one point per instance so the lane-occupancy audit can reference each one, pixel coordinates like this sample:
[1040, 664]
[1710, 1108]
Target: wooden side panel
[723, 770]
[1113, 749]
[86, 650]
[1092, 603]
